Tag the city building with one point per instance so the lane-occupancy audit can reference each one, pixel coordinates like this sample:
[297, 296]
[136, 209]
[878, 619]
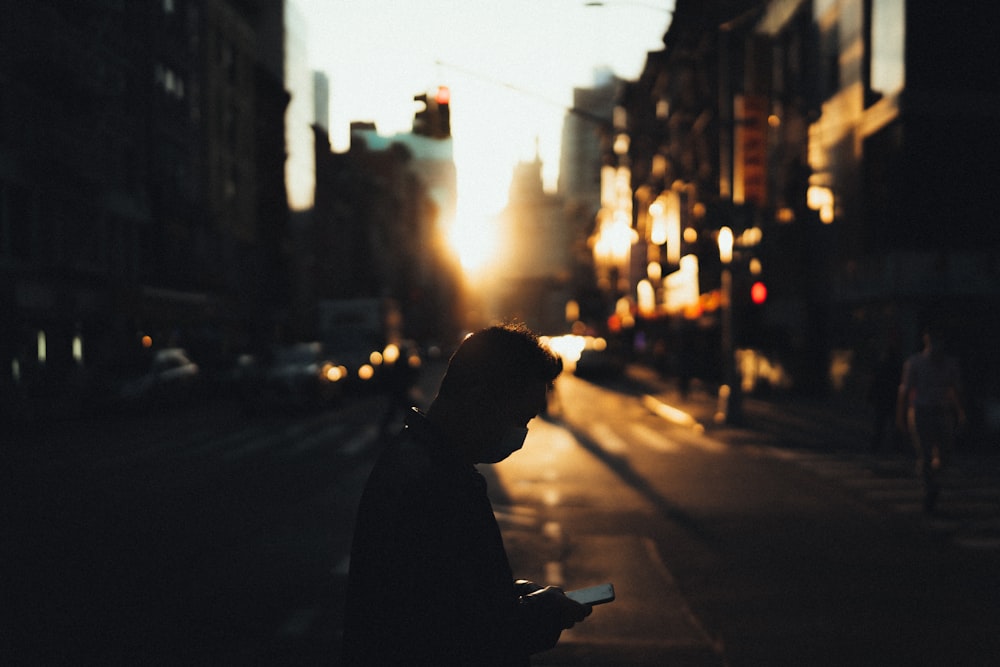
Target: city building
[530, 275]
[136, 161]
[848, 150]
[381, 208]
[584, 148]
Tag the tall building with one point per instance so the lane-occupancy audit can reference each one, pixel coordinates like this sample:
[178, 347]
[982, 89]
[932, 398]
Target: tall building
[850, 155]
[321, 95]
[585, 150]
[300, 167]
[381, 208]
[581, 155]
[132, 175]
[433, 161]
[531, 272]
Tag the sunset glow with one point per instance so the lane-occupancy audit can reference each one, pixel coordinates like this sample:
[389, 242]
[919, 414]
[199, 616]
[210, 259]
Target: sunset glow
[510, 69]
[475, 239]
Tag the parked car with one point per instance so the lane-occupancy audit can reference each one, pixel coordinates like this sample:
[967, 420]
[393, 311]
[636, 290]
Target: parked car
[372, 369]
[171, 377]
[301, 375]
[600, 359]
[162, 377]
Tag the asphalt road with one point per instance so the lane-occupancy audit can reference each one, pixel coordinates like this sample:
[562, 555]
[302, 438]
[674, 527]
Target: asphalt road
[206, 536]
[747, 553]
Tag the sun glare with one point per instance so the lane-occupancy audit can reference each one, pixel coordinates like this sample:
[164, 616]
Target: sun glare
[474, 238]
[484, 173]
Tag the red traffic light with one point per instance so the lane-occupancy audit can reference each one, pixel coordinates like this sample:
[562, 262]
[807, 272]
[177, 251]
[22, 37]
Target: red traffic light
[434, 120]
[758, 293]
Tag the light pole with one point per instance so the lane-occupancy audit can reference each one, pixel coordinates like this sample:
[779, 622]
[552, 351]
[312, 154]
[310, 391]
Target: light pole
[727, 410]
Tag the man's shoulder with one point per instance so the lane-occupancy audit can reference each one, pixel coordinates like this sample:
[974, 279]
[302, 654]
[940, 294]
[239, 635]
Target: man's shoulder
[416, 455]
[405, 457]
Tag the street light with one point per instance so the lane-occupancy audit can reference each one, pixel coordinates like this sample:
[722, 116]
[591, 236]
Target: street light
[727, 410]
[613, 245]
[726, 246]
[615, 234]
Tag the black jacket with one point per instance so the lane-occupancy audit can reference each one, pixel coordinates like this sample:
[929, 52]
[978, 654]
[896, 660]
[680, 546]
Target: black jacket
[430, 583]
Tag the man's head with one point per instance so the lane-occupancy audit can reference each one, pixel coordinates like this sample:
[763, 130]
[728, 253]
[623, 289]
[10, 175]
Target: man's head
[495, 384]
[934, 336]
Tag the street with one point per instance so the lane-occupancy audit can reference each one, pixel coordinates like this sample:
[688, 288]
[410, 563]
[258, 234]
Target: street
[749, 554]
[208, 536]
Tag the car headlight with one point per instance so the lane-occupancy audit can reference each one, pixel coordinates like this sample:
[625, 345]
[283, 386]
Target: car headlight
[391, 353]
[332, 373]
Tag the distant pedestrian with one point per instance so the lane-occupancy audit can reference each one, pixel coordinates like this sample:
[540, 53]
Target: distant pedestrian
[929, 409]
[430, 583]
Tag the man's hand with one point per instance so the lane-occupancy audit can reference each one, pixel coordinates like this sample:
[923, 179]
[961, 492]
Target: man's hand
[569, 612]
[525, 587]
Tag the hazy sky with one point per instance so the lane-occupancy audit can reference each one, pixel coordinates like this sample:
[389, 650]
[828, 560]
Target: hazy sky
[511, 66]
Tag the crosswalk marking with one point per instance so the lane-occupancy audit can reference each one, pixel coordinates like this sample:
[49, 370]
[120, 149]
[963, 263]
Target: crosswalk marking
[316, 440]
[292, 432]
[216, 444]
[650, 438]
[231, 443]
[155, 445]
[967, 511]
[609, 440]
[653, 439]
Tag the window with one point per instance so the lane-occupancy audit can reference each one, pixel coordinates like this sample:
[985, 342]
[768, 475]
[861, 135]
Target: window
[170, 81]
[888, 36]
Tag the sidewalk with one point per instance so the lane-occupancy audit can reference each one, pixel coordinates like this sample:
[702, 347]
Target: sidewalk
[833, 423]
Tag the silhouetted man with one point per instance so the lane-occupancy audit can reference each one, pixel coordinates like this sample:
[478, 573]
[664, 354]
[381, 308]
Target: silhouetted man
[430, 583]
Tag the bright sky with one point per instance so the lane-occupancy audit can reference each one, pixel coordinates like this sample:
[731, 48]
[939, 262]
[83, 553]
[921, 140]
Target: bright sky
[511, 66]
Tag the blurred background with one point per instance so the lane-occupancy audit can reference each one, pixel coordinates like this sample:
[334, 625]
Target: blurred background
[181, 174]
[239, 237]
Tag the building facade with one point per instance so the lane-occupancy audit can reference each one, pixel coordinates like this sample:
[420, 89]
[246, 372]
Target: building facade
[531, 271]
[585, 150]
[380, 208]
[133, 174]
[849, 152]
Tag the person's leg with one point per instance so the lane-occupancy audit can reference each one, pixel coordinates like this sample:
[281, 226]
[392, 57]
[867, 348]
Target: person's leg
[923, 433]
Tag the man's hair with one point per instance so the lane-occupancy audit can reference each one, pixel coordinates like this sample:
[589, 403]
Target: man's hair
[500, 358]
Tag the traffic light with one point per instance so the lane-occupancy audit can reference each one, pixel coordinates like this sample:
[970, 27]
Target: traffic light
[434, 120]
[443, 100]
[758, 293]
[424, 119]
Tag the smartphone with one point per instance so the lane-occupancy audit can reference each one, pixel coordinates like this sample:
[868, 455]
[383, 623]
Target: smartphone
[593, 595]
